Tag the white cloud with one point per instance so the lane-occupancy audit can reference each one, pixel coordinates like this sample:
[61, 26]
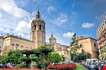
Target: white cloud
[7, 22]
[13, 19]
[22, 25]
[61, 19]
[0, 15]
[10, 7]
[68, 34]
[23, 28]
[50, 9]
[87, 25]
[5, 28]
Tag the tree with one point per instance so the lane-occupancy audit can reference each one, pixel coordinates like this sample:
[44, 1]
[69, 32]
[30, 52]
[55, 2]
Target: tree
[45, 49]
[24, 58]
[79, 56]
[74, 50]
[73, 53]
[12, 57]
[82, 56]
[43, 52]
[74, 47]
[4, 59]
[17, 58]
[55, 57]
[102, 54]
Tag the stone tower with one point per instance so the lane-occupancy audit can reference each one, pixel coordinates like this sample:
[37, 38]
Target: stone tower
[52, 40]
[38, 31]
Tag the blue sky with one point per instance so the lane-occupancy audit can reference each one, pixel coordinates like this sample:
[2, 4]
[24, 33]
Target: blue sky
[63, 17]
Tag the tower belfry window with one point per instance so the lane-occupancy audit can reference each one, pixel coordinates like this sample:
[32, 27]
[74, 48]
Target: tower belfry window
[40, 27]
[35, 27]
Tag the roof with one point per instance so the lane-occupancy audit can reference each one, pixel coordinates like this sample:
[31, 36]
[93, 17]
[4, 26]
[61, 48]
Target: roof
[83, 37]
[64, 46]
[1, 37]
[17, 37]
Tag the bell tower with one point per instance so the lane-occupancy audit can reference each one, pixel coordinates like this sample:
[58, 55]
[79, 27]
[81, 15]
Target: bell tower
[38, 31]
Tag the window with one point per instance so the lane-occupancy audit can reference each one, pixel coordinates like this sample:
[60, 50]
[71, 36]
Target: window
[22, 46]
[12, 44]
[35, 27]
[81, 45]
[17, 45]
[40, 27]
[95, 45]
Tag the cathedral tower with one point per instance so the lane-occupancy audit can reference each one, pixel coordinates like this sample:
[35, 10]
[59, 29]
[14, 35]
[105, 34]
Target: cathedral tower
[38, 30]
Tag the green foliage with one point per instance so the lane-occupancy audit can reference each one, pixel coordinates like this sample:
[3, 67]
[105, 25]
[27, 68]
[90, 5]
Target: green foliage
[20, 65]
[44, 50]
[80, 67]
[15, 57]
[12, 57]
[102, 54]
[43, 61]
[79, 56]
[74, 41]
[55, 57]
[74, 53]
[34, 58]
[23, 58]
[4, 59]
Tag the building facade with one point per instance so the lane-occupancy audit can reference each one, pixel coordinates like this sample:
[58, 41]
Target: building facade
[1, 44]
[11, 42]
[101, 34]
[88, 45]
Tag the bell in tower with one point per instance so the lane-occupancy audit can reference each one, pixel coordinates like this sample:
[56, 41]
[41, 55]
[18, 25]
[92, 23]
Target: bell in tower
[38, 30]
